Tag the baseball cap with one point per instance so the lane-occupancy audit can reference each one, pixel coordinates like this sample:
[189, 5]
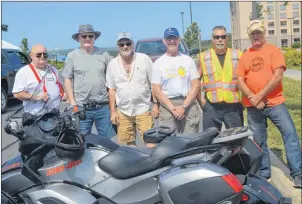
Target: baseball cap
[171, 31]
[124, 35]
[255, 25]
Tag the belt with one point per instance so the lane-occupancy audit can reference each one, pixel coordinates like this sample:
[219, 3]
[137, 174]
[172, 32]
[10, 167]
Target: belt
[178, 98]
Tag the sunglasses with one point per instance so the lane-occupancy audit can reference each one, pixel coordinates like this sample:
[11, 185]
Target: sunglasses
[39, 55]
[85, 36]
[216, 37]
[123, 44]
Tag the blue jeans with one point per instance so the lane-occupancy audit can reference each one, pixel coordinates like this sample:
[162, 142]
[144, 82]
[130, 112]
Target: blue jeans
[281, 118]
[101, 117]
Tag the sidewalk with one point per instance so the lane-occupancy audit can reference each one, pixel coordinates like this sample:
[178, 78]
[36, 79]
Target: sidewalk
[293, 74]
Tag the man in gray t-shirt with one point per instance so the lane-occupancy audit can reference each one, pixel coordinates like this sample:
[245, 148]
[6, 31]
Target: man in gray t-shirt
[85, 79]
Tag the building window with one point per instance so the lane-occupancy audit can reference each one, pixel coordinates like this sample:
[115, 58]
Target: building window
[283, 23]
[283, 31]
[282, 15]
[270, 8]
[271, 32]
[270, 16]
[296, 30]
[295, 22]
[297, 40]
[282, 7]
[295, 6]
[271, 24]
[296, 14]
[284, 43]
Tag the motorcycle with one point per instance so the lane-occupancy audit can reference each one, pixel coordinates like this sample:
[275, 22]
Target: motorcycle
[58, 165]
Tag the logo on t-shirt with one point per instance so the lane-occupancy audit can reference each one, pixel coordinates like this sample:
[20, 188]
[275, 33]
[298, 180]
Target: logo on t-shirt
[256, 64]
[181, 71]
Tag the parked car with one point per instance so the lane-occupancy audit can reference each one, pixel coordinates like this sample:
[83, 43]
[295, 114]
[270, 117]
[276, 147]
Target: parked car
[154, 47]
[11, 61]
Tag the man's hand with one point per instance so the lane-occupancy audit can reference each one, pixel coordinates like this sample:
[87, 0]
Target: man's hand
[255, 99]
[260, 105]
[114, 118]
[180, 113]
[64, 98]
[155, 111]
[42, 97]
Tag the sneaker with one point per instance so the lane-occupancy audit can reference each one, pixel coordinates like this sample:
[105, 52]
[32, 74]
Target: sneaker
[297, 181]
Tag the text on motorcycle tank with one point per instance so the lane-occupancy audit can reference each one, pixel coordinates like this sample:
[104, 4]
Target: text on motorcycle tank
[62, 167]
[12, 166]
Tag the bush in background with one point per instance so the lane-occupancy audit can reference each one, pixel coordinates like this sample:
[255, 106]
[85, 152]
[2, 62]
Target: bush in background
[296, 45]
[293, 57]
[58, 65]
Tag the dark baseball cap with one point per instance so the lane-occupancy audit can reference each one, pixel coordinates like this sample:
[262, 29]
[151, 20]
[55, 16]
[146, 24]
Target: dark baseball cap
[171, 32]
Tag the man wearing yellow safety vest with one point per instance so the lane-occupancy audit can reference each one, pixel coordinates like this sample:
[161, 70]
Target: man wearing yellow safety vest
[222, 98]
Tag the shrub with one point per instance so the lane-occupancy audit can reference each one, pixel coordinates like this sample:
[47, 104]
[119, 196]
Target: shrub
[296, 45]
[293, 57]
[58, 65]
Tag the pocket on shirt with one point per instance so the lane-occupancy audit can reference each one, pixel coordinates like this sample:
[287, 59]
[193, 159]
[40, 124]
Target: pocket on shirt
[80, 73]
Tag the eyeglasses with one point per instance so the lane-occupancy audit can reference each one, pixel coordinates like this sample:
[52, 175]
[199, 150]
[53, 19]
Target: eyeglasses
[85, 36]
[39, 55]
[123, 44]
[216, 37]
[171, 37]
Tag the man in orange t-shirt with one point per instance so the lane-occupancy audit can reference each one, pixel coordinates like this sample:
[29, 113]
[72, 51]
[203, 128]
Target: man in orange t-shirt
[260, 72]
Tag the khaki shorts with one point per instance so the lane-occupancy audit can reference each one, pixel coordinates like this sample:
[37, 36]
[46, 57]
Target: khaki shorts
[126, 129]
[190, 124]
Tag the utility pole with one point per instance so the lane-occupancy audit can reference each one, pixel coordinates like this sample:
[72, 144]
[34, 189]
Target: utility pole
[254, 10]
[291, 30]
[191, 13]
[182, 19]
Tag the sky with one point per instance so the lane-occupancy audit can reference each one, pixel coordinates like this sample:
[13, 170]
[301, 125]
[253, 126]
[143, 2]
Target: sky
[53, 23]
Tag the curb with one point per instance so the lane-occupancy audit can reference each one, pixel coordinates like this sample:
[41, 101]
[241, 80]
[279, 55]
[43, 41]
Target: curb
[282, 181]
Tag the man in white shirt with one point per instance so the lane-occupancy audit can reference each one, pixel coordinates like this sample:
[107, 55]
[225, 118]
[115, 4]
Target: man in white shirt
[129, 81]
[175, 83]
[48, 93]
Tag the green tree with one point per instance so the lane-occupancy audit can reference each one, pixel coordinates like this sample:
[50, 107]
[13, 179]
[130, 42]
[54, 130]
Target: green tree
[24, 45]
[229, 40]
[191, 35]
[4, 27]
[259, 12]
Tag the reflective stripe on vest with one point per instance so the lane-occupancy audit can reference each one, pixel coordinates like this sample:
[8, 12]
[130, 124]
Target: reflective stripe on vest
[220, 83]
[44, 85]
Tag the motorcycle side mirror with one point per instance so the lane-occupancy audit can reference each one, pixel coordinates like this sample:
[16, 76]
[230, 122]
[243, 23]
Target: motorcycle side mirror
[27, 119]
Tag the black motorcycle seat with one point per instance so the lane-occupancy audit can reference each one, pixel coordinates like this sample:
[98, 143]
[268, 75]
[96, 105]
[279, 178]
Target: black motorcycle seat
[94, 140]
[127, 162]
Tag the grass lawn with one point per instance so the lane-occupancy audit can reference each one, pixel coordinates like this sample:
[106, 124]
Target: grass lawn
[292, 92]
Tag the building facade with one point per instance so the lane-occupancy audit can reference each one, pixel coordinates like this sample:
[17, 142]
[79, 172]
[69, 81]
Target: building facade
[282, 22]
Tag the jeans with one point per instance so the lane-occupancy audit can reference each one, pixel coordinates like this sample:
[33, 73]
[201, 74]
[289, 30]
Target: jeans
[281, 118]
[231, 114]
[101, 117]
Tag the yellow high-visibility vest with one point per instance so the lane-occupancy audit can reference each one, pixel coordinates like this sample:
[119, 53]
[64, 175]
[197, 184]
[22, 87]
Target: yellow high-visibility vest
[220, 83]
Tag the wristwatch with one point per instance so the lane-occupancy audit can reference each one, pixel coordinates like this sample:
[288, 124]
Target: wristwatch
[184, 106]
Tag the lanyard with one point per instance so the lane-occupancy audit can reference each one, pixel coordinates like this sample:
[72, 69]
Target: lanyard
[44, 85]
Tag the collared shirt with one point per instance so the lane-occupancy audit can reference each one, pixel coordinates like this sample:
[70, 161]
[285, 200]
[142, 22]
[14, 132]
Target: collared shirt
[133, 94]
[174, 74]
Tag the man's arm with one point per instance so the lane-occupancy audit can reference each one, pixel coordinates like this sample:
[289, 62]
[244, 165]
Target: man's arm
[112, 100]
[195, 88]
[159, 94]
[243, 87]
[273, 82]
[24, 96]
[69, 91]
[68, 83]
